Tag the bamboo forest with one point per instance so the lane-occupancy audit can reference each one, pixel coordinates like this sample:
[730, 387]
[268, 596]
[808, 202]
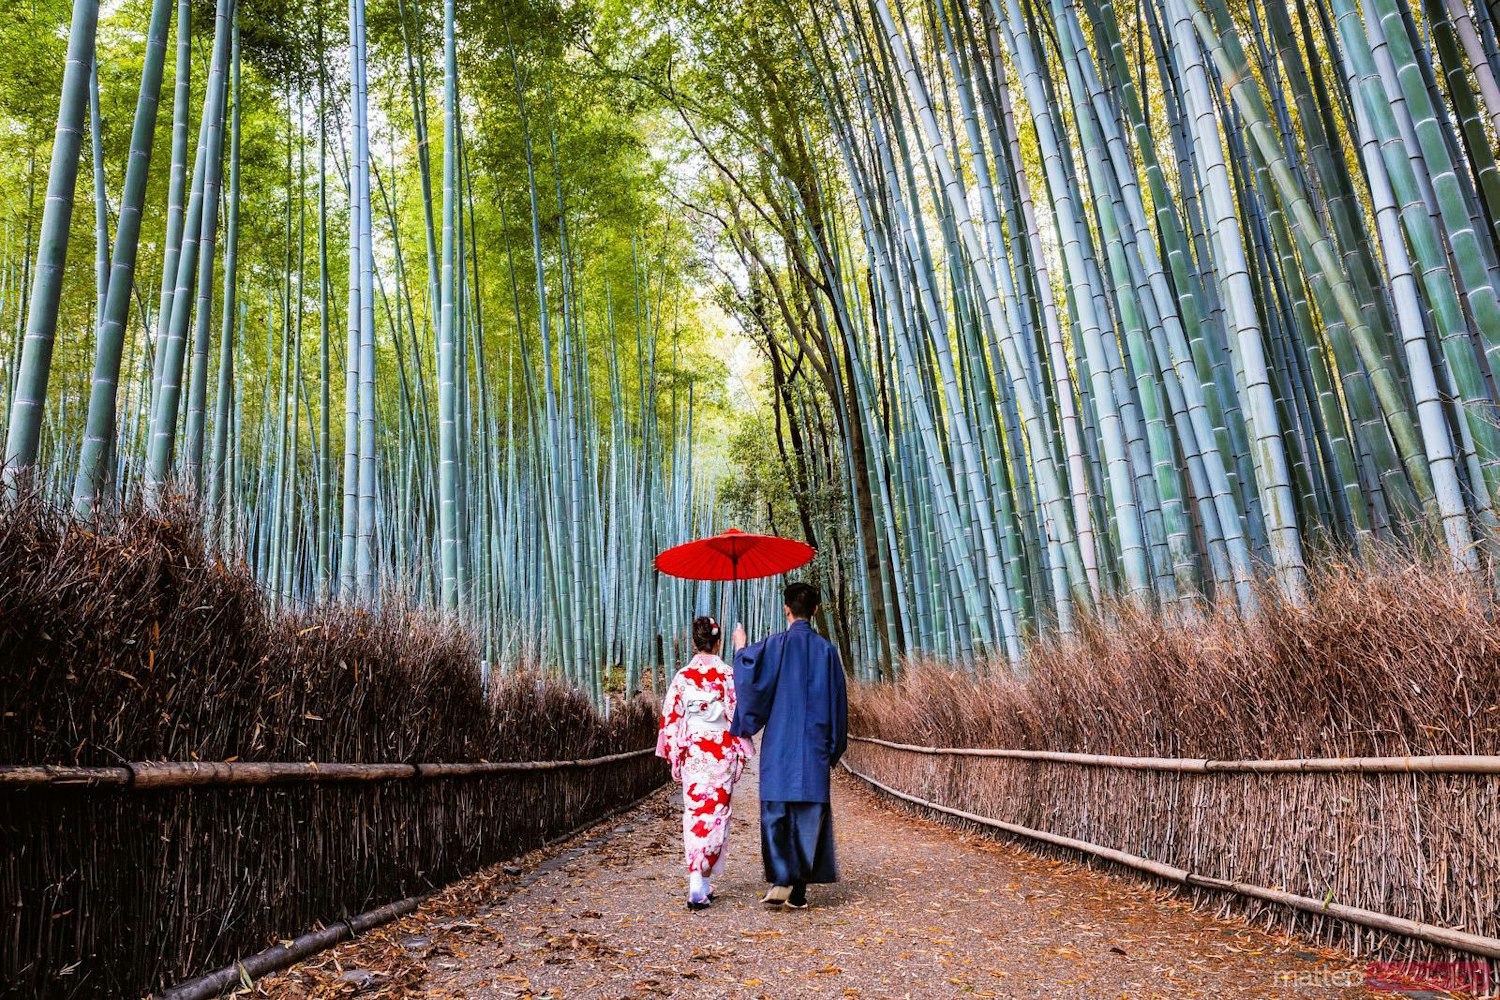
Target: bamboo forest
[1013, 309]
[461, 457]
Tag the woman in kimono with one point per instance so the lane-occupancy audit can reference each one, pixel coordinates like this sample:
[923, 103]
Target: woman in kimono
[705, 757]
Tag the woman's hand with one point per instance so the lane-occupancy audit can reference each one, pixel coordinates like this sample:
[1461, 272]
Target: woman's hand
[739, 637]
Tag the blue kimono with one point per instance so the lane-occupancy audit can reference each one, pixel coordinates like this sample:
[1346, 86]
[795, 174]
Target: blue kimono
[792, 686]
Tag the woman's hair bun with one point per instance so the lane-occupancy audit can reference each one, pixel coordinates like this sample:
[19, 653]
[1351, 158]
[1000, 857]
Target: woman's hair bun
[706, 633]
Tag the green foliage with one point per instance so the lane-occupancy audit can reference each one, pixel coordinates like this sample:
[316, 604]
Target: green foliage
[554, 496]
[33, 36]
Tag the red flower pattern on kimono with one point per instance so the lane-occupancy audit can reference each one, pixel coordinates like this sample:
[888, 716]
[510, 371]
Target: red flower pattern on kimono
[707, 760]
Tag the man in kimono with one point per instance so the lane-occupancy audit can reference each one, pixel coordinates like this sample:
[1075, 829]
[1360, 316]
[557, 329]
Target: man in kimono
[791, 684]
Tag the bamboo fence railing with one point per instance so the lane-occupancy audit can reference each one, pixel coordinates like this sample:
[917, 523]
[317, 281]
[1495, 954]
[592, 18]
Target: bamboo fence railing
[1435, 764]
[287, 953]
[1443, 937]
[149, 775]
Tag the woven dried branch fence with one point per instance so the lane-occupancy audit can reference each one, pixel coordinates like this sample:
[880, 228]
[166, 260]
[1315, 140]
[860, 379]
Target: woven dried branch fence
[126, 887]
[134, 645]
[1383, 855]
[134, 886]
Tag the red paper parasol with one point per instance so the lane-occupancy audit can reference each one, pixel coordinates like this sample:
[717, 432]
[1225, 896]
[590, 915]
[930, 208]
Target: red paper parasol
[734, 555]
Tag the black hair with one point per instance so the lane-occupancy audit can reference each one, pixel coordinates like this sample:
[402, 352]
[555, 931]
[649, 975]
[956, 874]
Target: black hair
[706, 634]
[802, 598]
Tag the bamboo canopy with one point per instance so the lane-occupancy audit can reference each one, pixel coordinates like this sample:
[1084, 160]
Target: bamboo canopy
[1059, 302]
[1116, 301]
[507, 350]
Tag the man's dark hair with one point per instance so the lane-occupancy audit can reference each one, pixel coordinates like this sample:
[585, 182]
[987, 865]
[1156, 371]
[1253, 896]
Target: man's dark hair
[802, 598]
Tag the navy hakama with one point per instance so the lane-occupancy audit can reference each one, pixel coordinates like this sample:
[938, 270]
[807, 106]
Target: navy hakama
[796, 843]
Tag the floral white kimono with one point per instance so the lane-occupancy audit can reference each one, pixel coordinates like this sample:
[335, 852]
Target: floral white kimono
[695, 738]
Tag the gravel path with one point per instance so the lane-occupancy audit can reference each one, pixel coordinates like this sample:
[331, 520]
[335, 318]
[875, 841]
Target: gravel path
[924, 911]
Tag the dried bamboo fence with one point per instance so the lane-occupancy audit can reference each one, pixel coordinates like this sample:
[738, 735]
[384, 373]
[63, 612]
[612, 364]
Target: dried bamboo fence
[129, 884]
[1382, 855]
[137, 876]
[158, 817]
